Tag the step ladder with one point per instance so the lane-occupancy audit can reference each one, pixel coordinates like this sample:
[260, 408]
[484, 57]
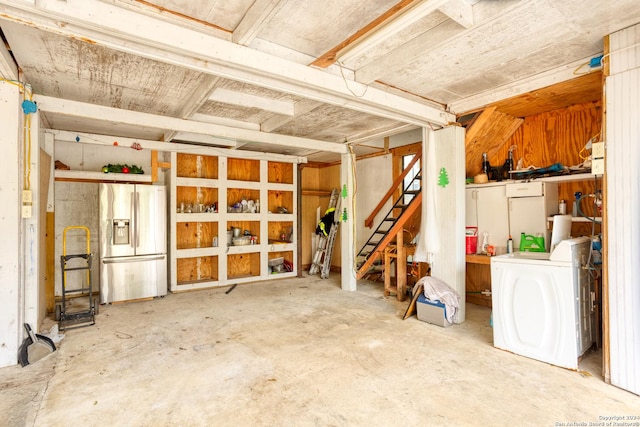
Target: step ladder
[322, 258]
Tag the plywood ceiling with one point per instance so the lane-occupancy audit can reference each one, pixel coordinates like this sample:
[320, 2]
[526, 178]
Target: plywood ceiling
[333, 72]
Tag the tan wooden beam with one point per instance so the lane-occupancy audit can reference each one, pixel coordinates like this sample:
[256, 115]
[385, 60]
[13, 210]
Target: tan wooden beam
[330, 56]
[155, 165]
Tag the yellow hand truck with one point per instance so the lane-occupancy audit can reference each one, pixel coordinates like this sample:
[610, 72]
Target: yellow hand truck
[76, 318]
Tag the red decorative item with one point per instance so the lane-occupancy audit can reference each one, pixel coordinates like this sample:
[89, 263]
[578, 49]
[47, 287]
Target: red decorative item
[115, 143]
[125, 170]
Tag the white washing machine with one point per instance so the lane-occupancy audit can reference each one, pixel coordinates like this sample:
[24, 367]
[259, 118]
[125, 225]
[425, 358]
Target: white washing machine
[542, 303]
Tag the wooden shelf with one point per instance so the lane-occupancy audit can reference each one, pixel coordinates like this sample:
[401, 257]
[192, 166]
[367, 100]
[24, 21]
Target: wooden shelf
[579, 219]
[88, 176]
[563, 178]
[478, 259]
[319, 193]
[201, 179]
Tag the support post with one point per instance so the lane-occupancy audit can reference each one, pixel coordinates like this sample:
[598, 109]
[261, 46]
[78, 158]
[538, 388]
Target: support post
[347, 239]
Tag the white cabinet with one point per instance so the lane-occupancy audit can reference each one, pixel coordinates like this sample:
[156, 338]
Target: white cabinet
[530, 203]
[486, 208]
[511, 208]
[201, 255]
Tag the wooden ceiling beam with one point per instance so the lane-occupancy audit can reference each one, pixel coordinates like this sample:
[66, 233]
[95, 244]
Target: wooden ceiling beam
[330, 56]
[256, 18]
[155, 39]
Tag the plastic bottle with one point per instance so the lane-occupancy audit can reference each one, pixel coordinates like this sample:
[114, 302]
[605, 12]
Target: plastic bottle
[485, 242]
[578, 195]
[510, 245]
[562, 207]
[486, 167]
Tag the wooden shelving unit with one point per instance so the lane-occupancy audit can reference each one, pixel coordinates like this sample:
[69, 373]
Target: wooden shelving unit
[202, 181]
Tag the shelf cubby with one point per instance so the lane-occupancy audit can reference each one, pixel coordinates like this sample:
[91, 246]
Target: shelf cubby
[281, 173]
[243, 265]
[197, 166]
[191, 235]
[279, 198]
[243, 170]
[197, 269]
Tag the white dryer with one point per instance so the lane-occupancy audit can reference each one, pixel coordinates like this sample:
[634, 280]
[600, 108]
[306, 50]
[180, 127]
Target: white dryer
[542, 303]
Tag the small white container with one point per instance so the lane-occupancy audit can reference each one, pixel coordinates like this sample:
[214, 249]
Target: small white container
[562, 207]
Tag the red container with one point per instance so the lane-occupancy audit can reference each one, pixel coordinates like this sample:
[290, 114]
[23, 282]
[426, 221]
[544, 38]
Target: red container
[471, 242]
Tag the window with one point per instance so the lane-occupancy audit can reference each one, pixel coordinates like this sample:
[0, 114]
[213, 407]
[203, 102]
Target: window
[409, 183]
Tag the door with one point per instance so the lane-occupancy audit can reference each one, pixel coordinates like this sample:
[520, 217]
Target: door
[130, 278]
[116, 220]
[151, 220]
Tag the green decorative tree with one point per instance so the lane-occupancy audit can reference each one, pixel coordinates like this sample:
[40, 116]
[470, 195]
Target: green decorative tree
[443, 179]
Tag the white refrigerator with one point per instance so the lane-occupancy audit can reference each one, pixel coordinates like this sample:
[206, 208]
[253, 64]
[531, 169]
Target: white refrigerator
[133, 242]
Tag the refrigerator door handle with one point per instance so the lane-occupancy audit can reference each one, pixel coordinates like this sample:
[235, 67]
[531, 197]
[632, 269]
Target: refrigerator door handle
[136, 215]
[132, 259]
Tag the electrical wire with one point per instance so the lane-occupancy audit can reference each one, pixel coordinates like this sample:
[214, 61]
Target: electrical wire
[27, 94]
[366, 87]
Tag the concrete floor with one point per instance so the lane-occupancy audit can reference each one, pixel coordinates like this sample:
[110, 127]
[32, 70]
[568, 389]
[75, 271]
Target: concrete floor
[295, 352]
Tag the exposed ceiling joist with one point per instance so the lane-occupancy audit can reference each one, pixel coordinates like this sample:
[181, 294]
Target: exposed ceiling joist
[166, 42]
[460, 11]
[242, 99]
[97, 112]
[222, 121]
[254, 20]
[198, 97]
[8, 68]
[300, 107]
[389, 27]
[90, 138]
[204, 139]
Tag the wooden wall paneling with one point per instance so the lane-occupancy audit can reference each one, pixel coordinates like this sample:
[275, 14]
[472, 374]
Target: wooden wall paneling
[582, 89]
[310, 181]
[280, 172]
[195, 234]
[243, 169]
[489, 133]
[243, 265]
[276, 229]
[197, 269]
[278, 199]
[197, 166]
[330, 179]
[252, 226]
[196, 195]
[558, 136]
[236, 195]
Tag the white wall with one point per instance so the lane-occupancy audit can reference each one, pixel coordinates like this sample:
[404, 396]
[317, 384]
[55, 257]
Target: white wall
[373, 179]
[11, 290]
[623, 208]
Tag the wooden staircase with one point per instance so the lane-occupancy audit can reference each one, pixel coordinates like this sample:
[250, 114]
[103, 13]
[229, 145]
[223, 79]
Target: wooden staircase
[403, 210]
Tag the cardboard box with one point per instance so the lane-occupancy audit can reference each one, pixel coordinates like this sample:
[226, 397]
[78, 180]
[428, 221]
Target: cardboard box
[431, 312]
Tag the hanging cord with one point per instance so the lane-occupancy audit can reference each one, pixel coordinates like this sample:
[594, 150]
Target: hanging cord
[346, 83]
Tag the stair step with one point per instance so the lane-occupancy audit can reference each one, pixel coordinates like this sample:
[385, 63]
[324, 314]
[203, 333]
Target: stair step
[414, 192]
[390, 219]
